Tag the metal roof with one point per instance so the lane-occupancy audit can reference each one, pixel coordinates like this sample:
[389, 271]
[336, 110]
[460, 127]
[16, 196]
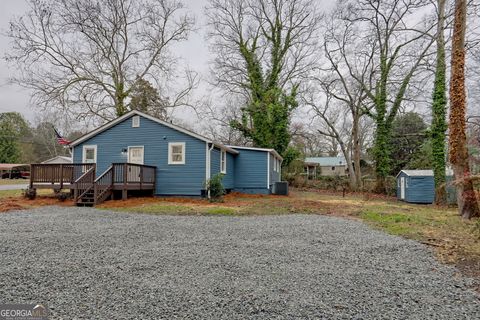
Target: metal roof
[327, 161]
[10, 166]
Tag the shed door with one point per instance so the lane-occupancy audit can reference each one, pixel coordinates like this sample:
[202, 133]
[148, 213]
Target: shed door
[402, 188]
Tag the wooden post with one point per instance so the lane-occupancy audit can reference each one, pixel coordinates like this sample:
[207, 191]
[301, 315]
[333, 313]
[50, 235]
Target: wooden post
[141, 177]
[61, 176]
[32, 175]
[125, 175]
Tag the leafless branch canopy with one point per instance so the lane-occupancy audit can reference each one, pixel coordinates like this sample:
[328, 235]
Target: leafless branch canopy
[85, 55]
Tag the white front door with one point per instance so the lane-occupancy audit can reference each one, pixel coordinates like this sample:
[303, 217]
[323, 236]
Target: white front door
[135, 155]
[402, 188]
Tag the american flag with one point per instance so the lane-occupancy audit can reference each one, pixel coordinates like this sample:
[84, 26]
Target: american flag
[61, 140]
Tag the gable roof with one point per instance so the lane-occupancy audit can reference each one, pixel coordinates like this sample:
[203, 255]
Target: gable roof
[272, 151]
[127, 115]
[327, 161]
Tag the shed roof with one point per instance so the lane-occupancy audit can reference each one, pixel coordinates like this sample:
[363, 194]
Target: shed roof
[327, 161]
[423, 173]
[167, 124]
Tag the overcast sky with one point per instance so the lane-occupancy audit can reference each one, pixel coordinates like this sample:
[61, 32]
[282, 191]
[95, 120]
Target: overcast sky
[194, 53]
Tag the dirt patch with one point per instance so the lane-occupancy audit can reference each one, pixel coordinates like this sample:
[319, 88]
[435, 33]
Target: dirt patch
[19, 203]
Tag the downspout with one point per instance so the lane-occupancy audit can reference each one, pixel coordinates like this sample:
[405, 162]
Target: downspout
[208, 165]
[268, 170]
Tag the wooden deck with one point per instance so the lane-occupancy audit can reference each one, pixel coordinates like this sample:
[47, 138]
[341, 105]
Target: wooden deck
[87, 187]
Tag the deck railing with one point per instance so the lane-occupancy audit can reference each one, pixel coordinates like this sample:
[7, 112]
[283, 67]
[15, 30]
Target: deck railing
[125, 173]
[57, 173]
[84, 184]
[103, 185]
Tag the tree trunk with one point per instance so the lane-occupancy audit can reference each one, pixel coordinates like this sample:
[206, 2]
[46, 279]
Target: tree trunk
[466, 198]
[356, 151]
[439, 102]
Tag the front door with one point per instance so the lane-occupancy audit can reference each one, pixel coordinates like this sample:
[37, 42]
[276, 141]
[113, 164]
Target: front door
[135, 155]
[402, 188]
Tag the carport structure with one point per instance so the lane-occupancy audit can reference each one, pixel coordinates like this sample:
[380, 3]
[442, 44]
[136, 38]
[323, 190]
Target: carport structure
[10, 168]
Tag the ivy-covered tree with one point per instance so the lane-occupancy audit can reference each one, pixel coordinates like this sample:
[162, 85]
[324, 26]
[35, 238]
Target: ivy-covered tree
[439, 113]
[458, 153]
[263, 49]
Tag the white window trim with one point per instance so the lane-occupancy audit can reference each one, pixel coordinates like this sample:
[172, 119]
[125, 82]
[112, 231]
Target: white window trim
[170, 145]
[136, 122]
[224, 169]
[143, 153]
[94, 147]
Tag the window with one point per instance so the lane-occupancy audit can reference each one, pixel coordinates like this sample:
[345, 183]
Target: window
[135, 121]
[89, 154]
[223, 161]
[279, 165]
[176, 153]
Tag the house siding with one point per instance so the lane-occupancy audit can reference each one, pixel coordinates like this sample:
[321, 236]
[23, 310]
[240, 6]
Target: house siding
[251, 171]
[229, 177]
[187, 179]
[274, 175]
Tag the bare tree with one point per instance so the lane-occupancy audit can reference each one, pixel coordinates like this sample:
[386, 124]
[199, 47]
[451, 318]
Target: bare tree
[394, 43]
[263, 49]
[85, 56]
[466, 197]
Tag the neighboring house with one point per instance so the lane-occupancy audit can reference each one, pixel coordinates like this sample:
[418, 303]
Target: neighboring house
[329, 166]
[418, 186]
[58, 159]
[184, 160]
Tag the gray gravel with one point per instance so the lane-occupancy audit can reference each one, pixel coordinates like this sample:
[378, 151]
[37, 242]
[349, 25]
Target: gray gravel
[89, 264]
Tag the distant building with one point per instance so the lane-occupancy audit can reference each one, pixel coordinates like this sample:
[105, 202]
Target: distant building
[329, 166]
[58, 159]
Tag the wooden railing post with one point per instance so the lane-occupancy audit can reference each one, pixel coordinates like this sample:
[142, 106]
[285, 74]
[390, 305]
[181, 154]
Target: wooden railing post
[32, 175]
[125, 176]
[61, 176]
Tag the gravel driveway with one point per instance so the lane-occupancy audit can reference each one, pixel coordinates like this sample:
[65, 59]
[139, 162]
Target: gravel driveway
[89, 264]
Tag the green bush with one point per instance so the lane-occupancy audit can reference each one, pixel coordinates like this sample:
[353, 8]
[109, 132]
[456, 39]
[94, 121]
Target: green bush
[215, 187]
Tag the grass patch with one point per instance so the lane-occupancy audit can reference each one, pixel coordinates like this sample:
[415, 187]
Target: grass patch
[10, 193]
[4, 182]
[160, 209]
[394, 223]
[221, 211]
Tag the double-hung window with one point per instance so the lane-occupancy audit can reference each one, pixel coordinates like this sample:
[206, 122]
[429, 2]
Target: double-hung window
[176, 153]
[89, 154]
[223, 161]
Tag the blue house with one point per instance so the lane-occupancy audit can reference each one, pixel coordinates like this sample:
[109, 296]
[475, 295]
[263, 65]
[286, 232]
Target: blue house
[182, 160]
[418, 186]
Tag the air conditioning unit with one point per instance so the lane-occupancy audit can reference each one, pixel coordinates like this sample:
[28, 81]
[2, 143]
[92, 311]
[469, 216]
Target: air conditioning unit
[281, 188]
